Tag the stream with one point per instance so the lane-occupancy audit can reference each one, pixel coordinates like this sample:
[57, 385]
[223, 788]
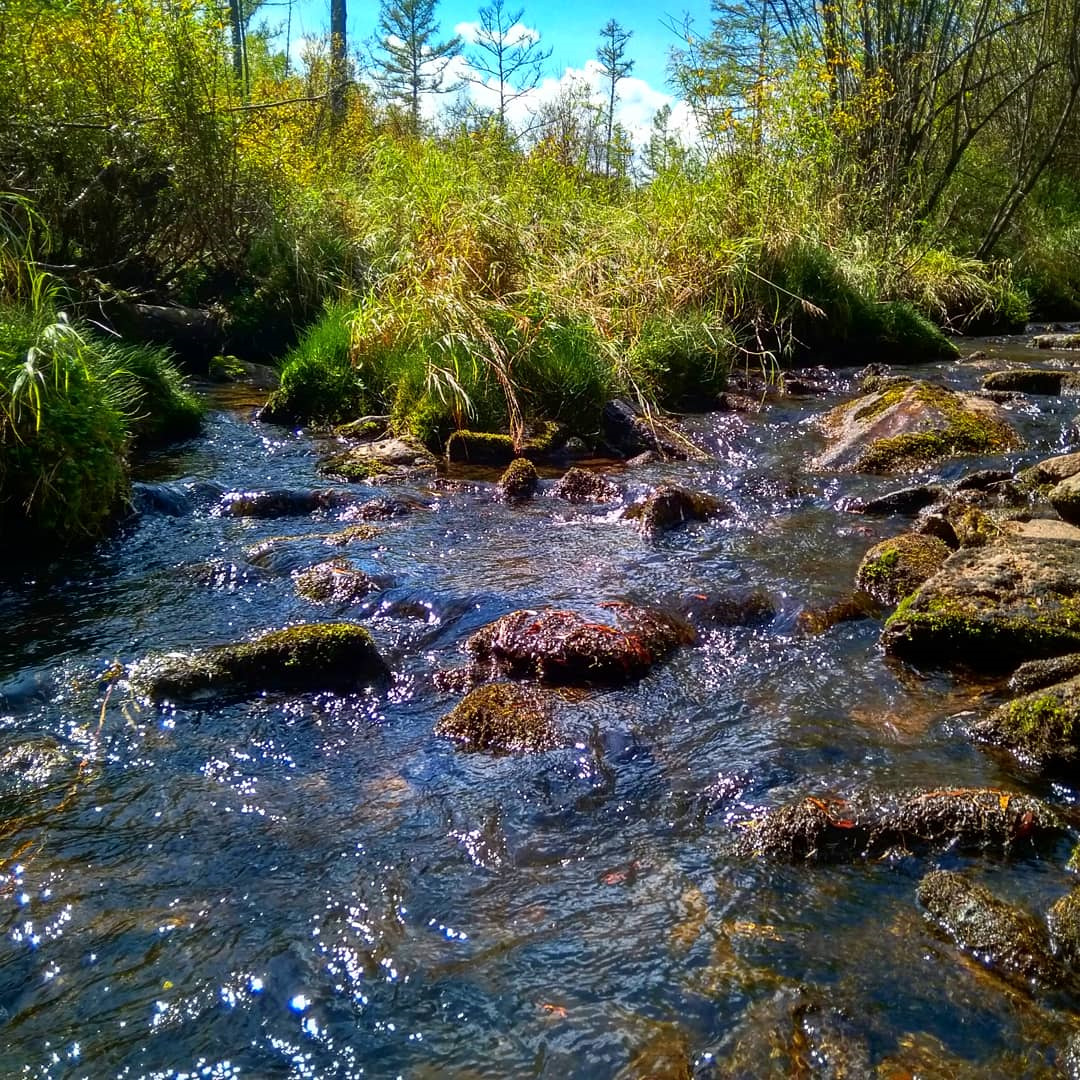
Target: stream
[319, 886]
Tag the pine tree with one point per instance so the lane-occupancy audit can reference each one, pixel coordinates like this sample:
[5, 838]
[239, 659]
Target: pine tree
[614, 67]
[412, 62]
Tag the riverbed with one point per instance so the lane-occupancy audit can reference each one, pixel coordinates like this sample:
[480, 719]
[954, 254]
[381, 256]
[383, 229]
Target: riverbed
[320, 886]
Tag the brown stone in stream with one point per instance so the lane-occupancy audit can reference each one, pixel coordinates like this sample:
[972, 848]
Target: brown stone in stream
[582, 486]
[565, 647]
[1004, 938]
[501, 718]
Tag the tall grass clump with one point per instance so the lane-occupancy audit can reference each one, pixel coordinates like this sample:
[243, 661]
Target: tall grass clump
[70, 405]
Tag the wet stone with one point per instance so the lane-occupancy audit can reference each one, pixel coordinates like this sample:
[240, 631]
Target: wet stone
[282, 502]
[895, 568]
[1065, 499]
[336, 582]
[909, 425]
[1004, 938]
[869, 824]
[1036, 674]
[729, 607]
[381, 509]
[1050, 471]
[670, 506]
[851, 608]
[1041, 729]
[501, 718]
[519, 481]
[1063, 921]
[582, 486]
[565, 647]
[1032, 381]
[315, 656]
[993, 607]
[629, 433]
[906, 501]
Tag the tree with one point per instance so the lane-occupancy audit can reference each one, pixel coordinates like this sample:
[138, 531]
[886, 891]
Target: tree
[337, 57]
[507, 52]
[413, 61]
[614, 67]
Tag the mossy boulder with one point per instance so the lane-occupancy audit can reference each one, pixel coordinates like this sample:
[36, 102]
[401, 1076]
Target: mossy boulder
[314, 656]
[582, 486]
[480, 448]
[1041, 728]
[993, 607]
[909, 426]
[519, 481]
[670, 506]
[870, 824]
[1063, 922]
[501, 718]
[895, 568]
[1033, 381]
[566, 647]
[335, 582]
[1002, 937]
[381, 461]
[365, 428]
[1065, 499]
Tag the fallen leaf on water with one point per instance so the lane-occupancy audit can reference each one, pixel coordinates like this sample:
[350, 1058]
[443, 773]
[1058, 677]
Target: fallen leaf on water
[553, 1010]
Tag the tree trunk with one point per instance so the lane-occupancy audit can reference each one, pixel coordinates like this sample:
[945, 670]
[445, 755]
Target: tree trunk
[337, 58]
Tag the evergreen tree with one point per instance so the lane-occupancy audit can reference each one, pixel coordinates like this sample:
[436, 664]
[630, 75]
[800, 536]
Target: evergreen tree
[614, 67]
[413, 61]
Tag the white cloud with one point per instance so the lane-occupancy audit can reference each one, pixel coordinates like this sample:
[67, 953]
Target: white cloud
[518, 34]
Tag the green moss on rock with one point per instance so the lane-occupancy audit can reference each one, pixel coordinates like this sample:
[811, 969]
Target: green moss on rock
[314, 656]
[582, 486]
[480, 448]
[519, 481]
[1031, 381]
[501, 718]
[993, 608]
[1042, 728]
[895, 568]
[334, 582]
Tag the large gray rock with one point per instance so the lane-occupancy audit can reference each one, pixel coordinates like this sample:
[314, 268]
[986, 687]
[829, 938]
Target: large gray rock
[909, 425]
[993, 607]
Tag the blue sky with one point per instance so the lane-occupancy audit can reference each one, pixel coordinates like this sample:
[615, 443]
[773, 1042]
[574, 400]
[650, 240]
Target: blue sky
[572, 30]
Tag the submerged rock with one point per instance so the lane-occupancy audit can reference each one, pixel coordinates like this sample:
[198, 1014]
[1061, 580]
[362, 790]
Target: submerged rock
[729, 607]
[1063, 922]
[335, 582]
[993, 607]
[852, 608]
[1032, 381]
[283, 502]
[1004, 938]
[670, 506]
[831, 829]
[381, 509]
[565, 647]
[381, 461]
[895, 568]
[519, 481]
[1042, 728]
[317, 656]
[501, 718]
[582, 486]
[910, 425]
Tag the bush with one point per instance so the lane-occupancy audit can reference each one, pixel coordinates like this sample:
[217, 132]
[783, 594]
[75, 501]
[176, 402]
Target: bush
[682, 360]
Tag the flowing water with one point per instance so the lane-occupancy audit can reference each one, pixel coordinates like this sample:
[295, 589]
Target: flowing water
[319, 886]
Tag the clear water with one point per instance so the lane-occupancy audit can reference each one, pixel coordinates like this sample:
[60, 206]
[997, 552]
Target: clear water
[319, 886]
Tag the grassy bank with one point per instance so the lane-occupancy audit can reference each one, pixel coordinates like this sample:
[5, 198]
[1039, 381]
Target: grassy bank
[72, 406]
